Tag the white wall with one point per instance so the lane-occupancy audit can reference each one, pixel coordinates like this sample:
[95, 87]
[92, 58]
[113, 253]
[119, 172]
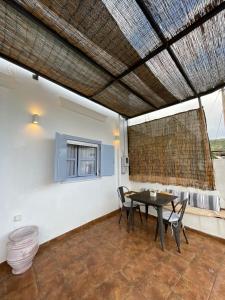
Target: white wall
[27, 157]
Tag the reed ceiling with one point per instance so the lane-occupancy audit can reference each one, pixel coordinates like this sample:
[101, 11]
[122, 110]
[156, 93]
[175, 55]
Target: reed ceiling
[132, 56]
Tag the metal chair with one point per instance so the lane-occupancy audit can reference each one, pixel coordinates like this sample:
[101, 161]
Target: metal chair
[174, 219]
[126, 204]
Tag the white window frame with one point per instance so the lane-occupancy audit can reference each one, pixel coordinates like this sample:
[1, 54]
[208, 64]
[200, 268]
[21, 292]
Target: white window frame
[73, 140]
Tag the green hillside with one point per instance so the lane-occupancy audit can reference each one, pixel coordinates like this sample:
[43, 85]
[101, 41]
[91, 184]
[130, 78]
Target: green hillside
[217, 145]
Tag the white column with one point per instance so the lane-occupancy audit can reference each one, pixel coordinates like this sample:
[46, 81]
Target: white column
[223, 103]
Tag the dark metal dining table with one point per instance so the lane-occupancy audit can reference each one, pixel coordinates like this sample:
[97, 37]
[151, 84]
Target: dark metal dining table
[158, 202]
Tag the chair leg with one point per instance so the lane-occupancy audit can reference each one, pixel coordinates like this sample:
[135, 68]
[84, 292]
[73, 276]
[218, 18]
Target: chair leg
[177, 237]
[121, 214]
[146, 212]
[185, 236]
[157, 230]
[166, 227]
[140, 213]
[127, 213]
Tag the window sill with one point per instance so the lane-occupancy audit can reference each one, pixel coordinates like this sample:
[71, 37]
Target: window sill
[81, 179]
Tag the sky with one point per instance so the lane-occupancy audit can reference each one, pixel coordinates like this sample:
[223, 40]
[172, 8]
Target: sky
[214, 115]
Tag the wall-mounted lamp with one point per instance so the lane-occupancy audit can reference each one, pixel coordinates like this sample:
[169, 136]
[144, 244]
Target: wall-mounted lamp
[35, 119]
[35, 76]
[116, 138]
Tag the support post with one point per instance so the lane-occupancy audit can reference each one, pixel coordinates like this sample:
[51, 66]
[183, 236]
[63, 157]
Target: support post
[200, 102]
[223, 102]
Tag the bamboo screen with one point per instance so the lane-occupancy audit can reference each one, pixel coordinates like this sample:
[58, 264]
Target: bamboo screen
[172, 150]
[132, 56]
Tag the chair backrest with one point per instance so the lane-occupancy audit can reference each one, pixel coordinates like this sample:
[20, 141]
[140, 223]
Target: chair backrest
[182, 208]
[121, 192]
[181, 195]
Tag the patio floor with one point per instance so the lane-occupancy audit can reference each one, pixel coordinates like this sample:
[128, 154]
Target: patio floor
[105, 262]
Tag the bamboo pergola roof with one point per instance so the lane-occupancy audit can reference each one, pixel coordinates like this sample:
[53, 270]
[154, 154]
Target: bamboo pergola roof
[132, 56]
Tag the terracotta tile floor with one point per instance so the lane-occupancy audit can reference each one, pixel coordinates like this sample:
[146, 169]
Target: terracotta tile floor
[106, 262]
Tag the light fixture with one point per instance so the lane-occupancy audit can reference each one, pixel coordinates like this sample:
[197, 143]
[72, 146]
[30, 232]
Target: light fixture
[35, 76]
[35, 119]
[116, 140]
[116, 137]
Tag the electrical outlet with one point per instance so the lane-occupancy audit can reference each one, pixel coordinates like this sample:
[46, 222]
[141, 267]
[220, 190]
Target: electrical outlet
[17, 218]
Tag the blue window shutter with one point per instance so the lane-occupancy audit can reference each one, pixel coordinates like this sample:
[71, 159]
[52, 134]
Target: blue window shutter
[60, 157]
[107, 160]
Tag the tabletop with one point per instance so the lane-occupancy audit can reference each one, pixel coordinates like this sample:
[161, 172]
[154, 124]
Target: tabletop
[160, 199]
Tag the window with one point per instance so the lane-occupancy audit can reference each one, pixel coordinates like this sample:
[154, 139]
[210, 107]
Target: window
[82, 160]
[87, 161]
[78, 158]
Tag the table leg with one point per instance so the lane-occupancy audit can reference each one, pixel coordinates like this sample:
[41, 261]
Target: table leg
[130, 217]
[146, 212]
[161, 227]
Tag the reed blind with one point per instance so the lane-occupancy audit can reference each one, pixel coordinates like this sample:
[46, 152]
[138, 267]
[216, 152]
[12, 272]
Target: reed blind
[172, 150]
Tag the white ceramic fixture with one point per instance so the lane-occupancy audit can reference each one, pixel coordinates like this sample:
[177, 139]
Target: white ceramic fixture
[22, 247]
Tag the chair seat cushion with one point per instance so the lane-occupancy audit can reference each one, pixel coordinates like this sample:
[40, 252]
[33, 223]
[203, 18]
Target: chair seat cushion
[128, 204]
[174, 217]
